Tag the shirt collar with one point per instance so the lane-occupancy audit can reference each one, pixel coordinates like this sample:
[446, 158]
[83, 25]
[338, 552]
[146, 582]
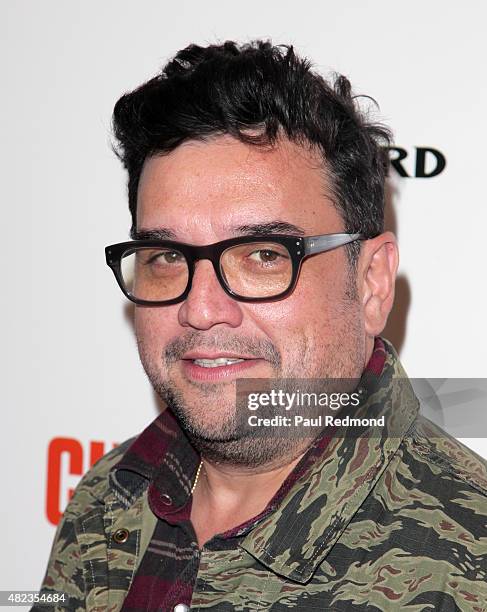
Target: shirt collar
[162, 458]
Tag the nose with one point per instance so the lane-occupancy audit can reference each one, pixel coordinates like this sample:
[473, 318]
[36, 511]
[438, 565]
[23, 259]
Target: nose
[207, 303]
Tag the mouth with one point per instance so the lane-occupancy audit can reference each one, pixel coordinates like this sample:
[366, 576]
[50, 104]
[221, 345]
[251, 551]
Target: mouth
[216, 363]
[199, 366]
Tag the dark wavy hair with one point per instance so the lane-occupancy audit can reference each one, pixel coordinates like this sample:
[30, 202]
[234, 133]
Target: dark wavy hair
[258, 93]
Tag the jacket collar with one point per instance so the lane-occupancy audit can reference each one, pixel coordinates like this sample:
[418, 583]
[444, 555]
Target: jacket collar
[295, 539]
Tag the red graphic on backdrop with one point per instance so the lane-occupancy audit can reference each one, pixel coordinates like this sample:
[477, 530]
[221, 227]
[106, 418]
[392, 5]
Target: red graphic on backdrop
[77, 457]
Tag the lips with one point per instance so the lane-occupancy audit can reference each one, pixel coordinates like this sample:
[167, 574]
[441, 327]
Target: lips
[193, 355]
[215, 363]
[213, 367]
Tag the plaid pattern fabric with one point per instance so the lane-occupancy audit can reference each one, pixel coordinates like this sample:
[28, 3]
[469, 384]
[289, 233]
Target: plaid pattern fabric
[163, 455]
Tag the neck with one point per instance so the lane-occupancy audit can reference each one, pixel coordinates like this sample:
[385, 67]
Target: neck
[229, 495]
[369, 349]
[237, 481]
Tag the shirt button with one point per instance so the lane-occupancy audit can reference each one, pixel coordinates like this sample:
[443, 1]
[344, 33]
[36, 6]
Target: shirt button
[121, 536]
[167, 501]
[181, 608]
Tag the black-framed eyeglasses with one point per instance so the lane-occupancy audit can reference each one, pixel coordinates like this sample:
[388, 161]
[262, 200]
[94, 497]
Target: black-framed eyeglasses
[249, 268]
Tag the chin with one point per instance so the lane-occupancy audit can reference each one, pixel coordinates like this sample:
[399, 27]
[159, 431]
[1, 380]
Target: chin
[217, 431]
[205, 417]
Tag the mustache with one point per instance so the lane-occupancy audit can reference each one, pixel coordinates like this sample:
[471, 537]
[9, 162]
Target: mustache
[256, 347]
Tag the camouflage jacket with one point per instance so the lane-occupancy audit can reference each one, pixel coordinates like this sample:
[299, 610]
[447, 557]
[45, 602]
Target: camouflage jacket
[392, 518]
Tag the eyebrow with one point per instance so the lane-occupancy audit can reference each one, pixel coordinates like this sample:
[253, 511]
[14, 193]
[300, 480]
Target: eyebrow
[161, 233]
[251, 229]
[271, 227]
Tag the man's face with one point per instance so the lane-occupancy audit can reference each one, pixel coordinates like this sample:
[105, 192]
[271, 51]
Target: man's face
[204, 192]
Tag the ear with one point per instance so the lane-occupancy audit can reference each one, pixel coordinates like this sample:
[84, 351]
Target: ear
[379, 260]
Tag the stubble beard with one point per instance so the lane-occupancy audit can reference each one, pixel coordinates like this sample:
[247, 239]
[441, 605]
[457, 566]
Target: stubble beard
[229, 440]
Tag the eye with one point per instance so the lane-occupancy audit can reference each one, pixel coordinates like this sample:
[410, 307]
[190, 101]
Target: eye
[165, 257]
[171, 256]
[265, 255]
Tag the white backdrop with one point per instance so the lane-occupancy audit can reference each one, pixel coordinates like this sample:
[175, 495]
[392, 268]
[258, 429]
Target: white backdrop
[70, 364]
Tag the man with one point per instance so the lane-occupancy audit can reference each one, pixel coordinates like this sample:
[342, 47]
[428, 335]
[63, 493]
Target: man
[257, 192]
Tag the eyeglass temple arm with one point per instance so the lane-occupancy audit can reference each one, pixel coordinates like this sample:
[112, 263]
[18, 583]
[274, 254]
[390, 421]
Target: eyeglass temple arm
[320, 244]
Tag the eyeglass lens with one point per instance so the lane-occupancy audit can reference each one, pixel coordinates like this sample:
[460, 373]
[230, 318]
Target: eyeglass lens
[253, 270]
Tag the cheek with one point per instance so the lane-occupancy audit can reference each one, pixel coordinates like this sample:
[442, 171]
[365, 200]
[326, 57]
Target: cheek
[311, 317]
[317, 298]
[152, 330]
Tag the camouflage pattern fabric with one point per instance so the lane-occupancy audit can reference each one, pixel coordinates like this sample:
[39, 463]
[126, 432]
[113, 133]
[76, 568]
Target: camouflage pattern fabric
[394, 518]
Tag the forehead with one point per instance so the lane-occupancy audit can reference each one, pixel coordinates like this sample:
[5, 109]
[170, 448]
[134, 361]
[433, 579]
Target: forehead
[210, 187]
